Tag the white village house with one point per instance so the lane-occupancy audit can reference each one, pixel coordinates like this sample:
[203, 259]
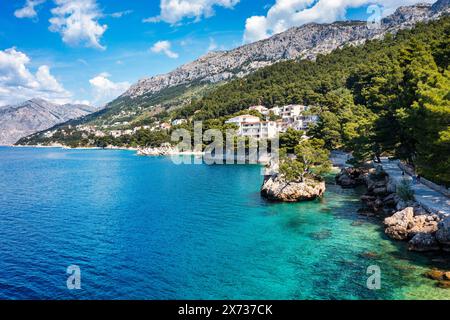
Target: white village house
[292, 116]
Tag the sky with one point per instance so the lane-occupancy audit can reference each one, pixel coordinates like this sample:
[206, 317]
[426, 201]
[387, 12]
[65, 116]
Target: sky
[91, 51]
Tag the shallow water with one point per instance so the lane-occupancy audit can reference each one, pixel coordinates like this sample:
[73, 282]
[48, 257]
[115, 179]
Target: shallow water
[144, 228]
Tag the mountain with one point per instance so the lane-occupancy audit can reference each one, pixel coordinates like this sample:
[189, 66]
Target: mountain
[304, 42]
[35, 115]
[151, 97]
[177, 88]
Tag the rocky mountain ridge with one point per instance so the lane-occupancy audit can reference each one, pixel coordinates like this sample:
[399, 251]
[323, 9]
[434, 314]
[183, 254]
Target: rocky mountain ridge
[35, 115]
[305, 42]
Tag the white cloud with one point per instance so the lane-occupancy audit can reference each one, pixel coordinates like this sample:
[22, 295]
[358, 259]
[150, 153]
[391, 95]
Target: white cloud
[120, 14]
[77, 22]
[18, 83]
[288, 13]
[28, 11]
[105, 90]
[164, 47]
[174, 11]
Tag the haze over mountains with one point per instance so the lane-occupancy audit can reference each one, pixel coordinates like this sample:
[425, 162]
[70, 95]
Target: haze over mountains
[35, 115]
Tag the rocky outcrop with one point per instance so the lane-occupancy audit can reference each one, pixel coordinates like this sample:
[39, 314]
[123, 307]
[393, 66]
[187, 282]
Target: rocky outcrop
[425, 232]
[380, 198]
[399, 224]
[165, 150]
[404, 220]
[423, 242]
[276, 188]
[404, 225]
[351, 177]
[35, 115]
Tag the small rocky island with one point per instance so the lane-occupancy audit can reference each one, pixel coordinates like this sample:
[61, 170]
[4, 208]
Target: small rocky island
[298, 176]
[276, 188]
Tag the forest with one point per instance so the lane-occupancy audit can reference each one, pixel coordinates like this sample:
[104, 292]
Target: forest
[388, 97]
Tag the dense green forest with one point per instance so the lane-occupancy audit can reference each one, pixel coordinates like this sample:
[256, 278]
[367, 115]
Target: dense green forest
[387, 97]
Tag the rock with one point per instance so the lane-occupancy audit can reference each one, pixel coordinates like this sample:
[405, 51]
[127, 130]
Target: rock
[277, 189]
[435, 274]
[391, 200]
[443, 232]
[445, 284]
[424, 242]
[423, 224]
[351, 177]
[398, 224]
[404, 225]
[381, 191]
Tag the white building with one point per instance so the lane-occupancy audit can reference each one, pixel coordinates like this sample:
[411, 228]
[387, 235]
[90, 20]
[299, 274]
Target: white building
[261, 109]
[116, 133]
[251, 126]
[276, 111]
[259, 130]
[291, 111]
[178, 122]
[244, 118]
[304, 122]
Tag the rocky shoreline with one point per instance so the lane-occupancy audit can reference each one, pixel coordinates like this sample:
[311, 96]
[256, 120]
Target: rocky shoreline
[404, 220]
[166, 150]
[275, 188]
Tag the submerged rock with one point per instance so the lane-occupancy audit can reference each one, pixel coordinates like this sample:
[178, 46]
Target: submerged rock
[276, 188]
[424, 242]
[435, 274]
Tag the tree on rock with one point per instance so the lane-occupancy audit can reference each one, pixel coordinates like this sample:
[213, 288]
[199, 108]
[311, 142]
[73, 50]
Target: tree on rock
[311, 159]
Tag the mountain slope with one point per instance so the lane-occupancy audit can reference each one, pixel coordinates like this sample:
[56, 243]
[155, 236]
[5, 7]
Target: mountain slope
[35, 115]
[175, 90]
[193, 80]
[304, 42]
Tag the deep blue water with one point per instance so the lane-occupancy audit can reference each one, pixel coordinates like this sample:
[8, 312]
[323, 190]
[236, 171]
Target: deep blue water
[144, 228]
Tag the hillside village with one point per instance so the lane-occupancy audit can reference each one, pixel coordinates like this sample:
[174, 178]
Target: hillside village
[267, 125]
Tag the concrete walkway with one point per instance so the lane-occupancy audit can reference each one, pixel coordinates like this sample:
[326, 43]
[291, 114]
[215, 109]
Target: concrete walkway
[431, 200]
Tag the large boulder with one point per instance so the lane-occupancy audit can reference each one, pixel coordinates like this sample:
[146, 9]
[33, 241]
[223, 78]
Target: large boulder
[351, 177]
[399, 224]
[405, 224]
[278, 189]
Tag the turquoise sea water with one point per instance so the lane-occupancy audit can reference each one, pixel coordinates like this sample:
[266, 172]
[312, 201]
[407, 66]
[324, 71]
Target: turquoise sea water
[144, 228]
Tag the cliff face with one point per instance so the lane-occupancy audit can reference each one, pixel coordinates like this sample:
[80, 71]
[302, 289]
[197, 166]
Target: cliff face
[304, 42]
[35, 115]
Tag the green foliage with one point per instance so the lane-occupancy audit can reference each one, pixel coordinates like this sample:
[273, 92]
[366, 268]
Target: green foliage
[405, 191]
[290, 139]
[311, 159]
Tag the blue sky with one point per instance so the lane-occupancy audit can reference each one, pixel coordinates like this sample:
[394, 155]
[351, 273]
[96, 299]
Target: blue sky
[92, 50]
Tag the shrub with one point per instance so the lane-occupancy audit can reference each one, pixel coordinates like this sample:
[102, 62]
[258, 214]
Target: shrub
[405, 191]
